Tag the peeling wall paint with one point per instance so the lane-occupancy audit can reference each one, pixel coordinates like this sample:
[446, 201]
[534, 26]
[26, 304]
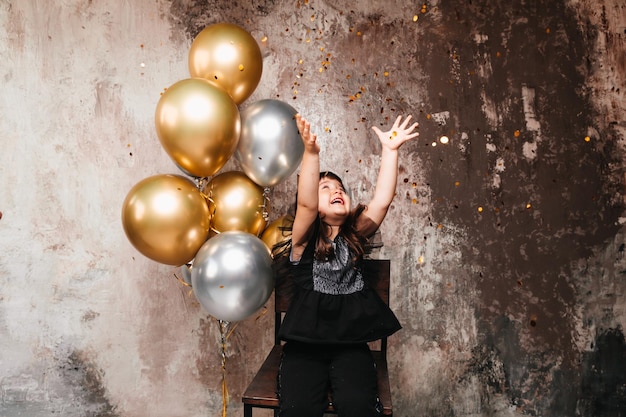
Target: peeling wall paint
[507, 242]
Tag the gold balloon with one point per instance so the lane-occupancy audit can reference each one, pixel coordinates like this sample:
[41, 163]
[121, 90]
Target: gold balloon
[228, 56]
[166, 218]
[275, 232]
[236, 203]
[198, 125]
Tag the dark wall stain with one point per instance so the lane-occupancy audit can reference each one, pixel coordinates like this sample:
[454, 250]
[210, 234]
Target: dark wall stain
[193, 16]
[86, 379]
[545, 211]
[603, 389]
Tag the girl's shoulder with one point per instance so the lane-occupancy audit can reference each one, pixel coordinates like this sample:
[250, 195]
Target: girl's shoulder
[363, 225]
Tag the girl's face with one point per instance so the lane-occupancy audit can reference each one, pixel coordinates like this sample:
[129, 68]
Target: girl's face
[334, 203]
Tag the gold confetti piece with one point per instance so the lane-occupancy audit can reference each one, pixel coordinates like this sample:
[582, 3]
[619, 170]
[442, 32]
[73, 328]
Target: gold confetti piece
[415, 17]
[414, 201]
[480, 209]
[326, 129]
[587, 139]
[240, 67]
[308, 41]
[420, 259]
[516, 133]
[300, 61]
[528, 205]
[264, 39]
[414, 185]
[428, 116]
[386, 73]
[321, 70]
[394, 133]
[498, 54]
[358, 33]
[457, 183]
[312, 17]
[548, 30]
[440, 226]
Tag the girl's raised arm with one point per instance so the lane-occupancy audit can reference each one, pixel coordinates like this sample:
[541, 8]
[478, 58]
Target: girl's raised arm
[308, 187]
[391, 141]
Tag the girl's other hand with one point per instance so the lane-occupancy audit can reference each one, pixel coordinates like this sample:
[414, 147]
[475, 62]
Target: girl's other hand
[399, 133]
[309, 139]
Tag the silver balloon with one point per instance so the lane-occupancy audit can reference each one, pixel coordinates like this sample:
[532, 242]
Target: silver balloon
[232, 275]
[270, 148]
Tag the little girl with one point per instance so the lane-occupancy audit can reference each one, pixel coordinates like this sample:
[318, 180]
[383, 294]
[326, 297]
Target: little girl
[333, 312]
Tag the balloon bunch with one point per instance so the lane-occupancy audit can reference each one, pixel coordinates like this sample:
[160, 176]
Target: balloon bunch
[207, 222]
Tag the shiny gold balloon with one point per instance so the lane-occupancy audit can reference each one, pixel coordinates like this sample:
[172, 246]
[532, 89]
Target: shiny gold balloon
[198, 125]
[166, 218]
[236, 203]
[275, 232]
[228, 56]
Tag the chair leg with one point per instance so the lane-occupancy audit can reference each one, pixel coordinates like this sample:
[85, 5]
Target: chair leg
[247, 410]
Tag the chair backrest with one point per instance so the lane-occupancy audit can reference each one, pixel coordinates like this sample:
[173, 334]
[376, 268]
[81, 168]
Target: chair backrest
[376, 273]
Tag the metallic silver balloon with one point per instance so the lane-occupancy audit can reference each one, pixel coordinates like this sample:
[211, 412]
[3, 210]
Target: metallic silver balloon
[232, 275]
[270, 148]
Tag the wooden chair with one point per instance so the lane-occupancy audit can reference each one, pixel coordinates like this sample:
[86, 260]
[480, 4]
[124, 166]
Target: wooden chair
[262, 391]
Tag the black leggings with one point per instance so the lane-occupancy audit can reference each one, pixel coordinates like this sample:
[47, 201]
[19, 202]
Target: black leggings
[307, 371]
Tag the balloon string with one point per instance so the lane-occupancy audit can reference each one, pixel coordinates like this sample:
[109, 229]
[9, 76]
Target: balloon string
[212, 210]
[224, 334]
[182, 281]
[261, 314]
[201, 182]
[266, 201]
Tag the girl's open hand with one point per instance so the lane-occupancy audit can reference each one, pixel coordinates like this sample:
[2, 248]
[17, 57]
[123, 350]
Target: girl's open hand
[399, 133]
[309, 139]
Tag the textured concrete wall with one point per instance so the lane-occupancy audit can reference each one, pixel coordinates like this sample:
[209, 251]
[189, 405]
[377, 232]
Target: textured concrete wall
[507, 243]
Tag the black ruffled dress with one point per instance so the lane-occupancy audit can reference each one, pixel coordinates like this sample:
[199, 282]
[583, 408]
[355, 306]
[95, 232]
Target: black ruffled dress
[333, 303]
